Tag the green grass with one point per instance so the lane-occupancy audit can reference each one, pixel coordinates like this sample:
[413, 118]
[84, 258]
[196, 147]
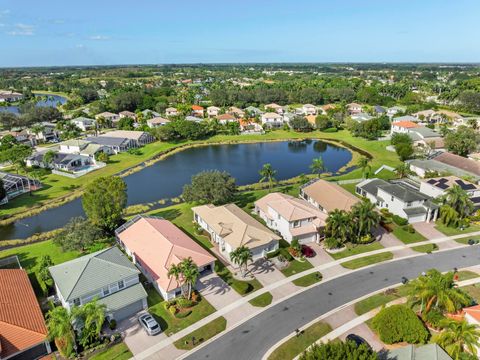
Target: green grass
[171, 324]
[467, 275]
[367, 260]
[117, 352]
[308, 280]
[237, 285]
[406, 237]
[296, 267]
[353, 249]
[464, 240]
[381, 299]
[297, 344]
[153, 297]
[350, 188]
[425, 248]
[449, 231]
[202, 334]
[473, 291]
[262, 300]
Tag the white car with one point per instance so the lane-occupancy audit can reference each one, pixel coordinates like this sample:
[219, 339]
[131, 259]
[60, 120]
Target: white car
[149, 324]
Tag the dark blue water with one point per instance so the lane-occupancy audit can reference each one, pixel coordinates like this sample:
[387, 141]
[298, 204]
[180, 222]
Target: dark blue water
[52, 101]
[166, 178]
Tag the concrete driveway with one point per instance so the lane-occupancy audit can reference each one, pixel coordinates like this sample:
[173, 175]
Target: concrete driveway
[367, 334]
[216, 291]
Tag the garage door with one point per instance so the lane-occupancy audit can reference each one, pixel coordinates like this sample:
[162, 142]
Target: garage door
[128, 311]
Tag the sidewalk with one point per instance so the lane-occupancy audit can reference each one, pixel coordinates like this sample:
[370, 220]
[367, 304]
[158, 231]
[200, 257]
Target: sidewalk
[324, 269]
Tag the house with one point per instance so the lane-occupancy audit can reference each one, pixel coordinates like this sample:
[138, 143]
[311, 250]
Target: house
[84, 123]
[155, 244]
[354, 108]
[171, 111]
[114, 144]
[403, 127]
[423, 352]
[253, 111]
[405, 118]
[235, 111]
[156, 122]
[82, 147]
[391, 112]
[108, 116]
[327, 107]
[293, 218]
[465, 164]
[425, 168]
[213, 111]
[70, 163]
[443, 116]
[226, 118]
[15, 185]
[23, 137]
[436, 187]
[424, 115]
[400, 199]
[472, 314]
[107, 275]
[250, 127]
[361, 116]
[47, 132]
[23, 334]
[139, 138]
[10, 96]
[230, 227]
[379, 110]
[127, 114]
[275, 107]
[309, 109]
[148, 114]
[197, 110]
[328, 196]
[272, 119]
[193, 118]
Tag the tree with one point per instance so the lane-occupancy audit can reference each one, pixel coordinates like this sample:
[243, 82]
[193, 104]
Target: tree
[338, 225]
[457, 337]
[318, 166]
[400, 138]
[364, 164]
[241, 256]
[92, 317]
[37, 129]
[299, 123]
[16, 155]
[461, 142]
[402, 170]
[233, 128]
[210, 187]
[78, 234]
[176, 271]
[449, 216]
[190, 274]
[104, 200]
[43, 272]
[339, 350]
[48, 157]
[102, 156]
[60, 329]
[364, 218]
[458, 199]
[125, 123]
[404, 151]
[267, 173]
[323, 122]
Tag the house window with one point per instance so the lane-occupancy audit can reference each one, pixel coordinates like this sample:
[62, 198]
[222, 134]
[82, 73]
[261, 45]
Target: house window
[106, 291]
[296, 224]
[76, 302]
[121, 284]
[391, 198]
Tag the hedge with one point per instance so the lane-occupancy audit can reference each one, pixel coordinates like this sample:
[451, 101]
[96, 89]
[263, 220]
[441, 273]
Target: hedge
[399, 220]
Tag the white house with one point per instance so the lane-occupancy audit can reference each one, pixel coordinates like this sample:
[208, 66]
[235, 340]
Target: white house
[395, 110]
[226, 118]
[436, 187]
[354, 108]
[309, 109]
[213, 111]
[108, 116]
[275, 107]
[171, 111]
[84, 123]
[156, 122]
[293, 218]
[272, 119]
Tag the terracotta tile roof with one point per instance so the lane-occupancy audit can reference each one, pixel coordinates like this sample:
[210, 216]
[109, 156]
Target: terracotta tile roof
[158, 244]
[197, 107]
[473, 311]
[311, 119]
[330, 196]
[406, 124]
[21, 320]
[226, 117]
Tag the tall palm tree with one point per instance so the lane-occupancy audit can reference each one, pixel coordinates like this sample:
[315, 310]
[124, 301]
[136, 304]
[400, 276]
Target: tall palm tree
[458, 199]
[60, 329]
[94, 315]
[176, 272]
[267, 173]
[241, 256]
[190, 274]
[402, 170]
[338, 225]
[458, 336]
[318, 166]
[364, 164]
[449, 216]
[364, 217]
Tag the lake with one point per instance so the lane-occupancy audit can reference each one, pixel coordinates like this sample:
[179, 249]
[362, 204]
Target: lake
[47, 100]
[166, 178]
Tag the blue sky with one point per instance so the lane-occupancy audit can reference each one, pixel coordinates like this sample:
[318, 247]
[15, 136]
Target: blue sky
[51, 32]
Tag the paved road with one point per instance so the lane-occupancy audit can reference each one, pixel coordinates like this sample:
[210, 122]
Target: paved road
[253, 338]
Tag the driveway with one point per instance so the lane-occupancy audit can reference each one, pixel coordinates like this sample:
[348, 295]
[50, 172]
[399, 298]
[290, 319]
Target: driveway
[216, 291]
[428, 230]
[366, 333]
[265, 272]
[321, 256]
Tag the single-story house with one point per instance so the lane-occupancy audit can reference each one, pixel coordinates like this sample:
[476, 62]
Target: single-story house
[361, 116]
[15, 185]
[413, 352]
[408, 118]
[272, 119]
[213, 111]
[400, 199]
[10, 96]
[48, 132]
[193, 118]
[155, 244]
[394, 110]
[436, 187]
[424, 115]
[61, 161]
[107, 275]
[379, 110]
[354, 108]
[328, 196]
[230, 227]
[156, 122]
[235, 111]
[108, 116]
[115, 144]
[171, 111]
[423, 168]
[197, 110]
[460, 162]
[226, 118]
[139, 138]
[250, 127]
[23, 334]
[254, 111]
[127, 114]
[309, 109]
[84, 123]
[293, 218]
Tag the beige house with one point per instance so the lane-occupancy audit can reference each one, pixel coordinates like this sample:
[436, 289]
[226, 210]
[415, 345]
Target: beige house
[230, 227]
[275, 107]
[171, 111]
[328, 196]
[213, 111]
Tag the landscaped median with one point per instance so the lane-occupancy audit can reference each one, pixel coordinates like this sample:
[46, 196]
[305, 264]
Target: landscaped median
[262, 300]
[367, 260]
[308, 280]
[202, 334]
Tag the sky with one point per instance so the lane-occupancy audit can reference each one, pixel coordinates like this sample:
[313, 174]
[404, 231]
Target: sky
[106, 32]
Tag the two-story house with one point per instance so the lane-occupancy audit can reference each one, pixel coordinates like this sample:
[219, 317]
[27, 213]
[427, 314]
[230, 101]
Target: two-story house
[400, 199]
[436, 187]
[293, 218]
[107, 275]
[272, 119]
[327, 196]
[213, 111]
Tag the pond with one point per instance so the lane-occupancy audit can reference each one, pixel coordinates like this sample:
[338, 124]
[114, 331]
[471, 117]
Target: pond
[46, 100]
[165, 179]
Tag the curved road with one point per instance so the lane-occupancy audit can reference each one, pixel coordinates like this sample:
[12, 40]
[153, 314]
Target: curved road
[253, 338]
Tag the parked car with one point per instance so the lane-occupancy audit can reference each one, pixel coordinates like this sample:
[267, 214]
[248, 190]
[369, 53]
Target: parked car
[149, 324]
[357, 340]
[307, 251]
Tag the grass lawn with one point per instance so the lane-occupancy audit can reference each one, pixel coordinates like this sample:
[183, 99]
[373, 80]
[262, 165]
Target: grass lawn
[262, 300]
[464, 240]
[171, 324]
[425, 248]
[406, 237]
[202, 334]
[243, 287]
[118, 352]
[473, 291]
[353, 249]
[378, 300]
[308, 280]
[449, 231]
[367, 260]
[467, 275]
[296, 345]
[350, 188]
[296, 267]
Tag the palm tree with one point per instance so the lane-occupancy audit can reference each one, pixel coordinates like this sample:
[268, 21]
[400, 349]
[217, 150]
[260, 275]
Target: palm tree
[190, 274]
[318, 166]
[364, 217]
[241, 256]
[338, 225]
[449, 216]
[37, 129]
[458, 336]
[176, 272]
[402, 170]
[60, 329]
[48, 157]
[267, 173]
[364, 164]
[94, 315]
[458, 199]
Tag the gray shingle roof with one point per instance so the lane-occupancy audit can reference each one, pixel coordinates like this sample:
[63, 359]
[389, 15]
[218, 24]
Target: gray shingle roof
[425, 352]
[108, 141]
[91, 272]
[403, 193]
[127, 296]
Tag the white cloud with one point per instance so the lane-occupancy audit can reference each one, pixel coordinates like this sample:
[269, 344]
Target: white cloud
[22, 30]
[4, 12]
[99, 37]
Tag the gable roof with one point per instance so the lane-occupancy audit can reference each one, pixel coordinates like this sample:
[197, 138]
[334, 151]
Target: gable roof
[398, 190]
[226, 117]
[124, 134]
[158, 244]
[445, 182]
[21, 320]
[329, 195]
[405, 124]
[473, 311]
[459, 162]
[271, 115]
[197, 107]
[425, 352]
[80, 276]
[235, 226]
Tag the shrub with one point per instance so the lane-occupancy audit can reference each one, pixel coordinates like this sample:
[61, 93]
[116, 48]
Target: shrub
[388, 226]
[184, 303]
[195, 297]
[365, 239]
[399, 323]
[286, 255]
[399, 220]
[183, 314]
[332, 243]
[386, 213]
[273, 254]
[242, 287]
[112, 324]
[173, 310]
[409, 228]
[330, 130]
[433, 318]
